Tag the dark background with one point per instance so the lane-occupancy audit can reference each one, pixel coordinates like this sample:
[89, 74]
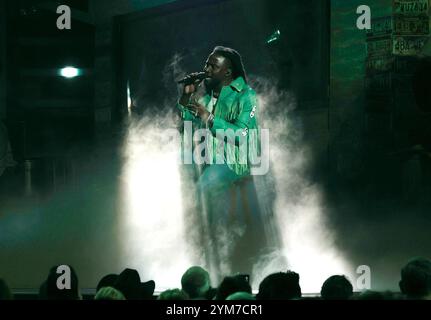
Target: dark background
[298, 61]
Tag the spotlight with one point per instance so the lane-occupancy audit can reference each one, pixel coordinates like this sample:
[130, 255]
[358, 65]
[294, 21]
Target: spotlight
[69, 72]
[129, 100]
[274, 37]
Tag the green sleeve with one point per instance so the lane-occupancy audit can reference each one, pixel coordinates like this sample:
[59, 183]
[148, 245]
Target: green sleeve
[185, 114]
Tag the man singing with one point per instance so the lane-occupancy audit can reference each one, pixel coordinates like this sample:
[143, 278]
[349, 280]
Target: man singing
[227, 108]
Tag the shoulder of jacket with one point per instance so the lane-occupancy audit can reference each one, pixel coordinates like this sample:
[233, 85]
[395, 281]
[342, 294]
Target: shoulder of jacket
[247, 93]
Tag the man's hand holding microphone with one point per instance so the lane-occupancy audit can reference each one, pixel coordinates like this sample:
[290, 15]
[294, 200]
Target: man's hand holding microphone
[191, 84]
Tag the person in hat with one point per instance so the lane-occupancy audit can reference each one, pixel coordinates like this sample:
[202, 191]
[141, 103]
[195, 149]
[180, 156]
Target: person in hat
[130, 285]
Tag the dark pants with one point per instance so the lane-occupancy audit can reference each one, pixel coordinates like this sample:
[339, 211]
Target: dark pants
[230, 211]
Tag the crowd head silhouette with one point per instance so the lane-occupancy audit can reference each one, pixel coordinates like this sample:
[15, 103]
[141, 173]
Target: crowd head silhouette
[414, 283]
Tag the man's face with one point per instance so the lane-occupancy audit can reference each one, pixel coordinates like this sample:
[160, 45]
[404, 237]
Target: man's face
[216, 69]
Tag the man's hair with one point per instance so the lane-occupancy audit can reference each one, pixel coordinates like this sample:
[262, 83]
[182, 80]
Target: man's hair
[235, 59]
[54, 293]
[241, 296]
[107, 281]
[173, 294]
[336, 287]
[109, 293]
[376, 295]
[196, 282]
[416, 278]
[280, 286]
[5, 293]
[231, 285]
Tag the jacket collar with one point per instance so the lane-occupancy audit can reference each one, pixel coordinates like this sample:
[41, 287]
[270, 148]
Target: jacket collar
[238, 84]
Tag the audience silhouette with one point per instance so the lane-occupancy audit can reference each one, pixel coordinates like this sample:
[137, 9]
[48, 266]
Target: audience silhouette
[336, 287]
[415, 284]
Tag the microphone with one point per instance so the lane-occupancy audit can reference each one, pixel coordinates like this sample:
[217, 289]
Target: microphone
[192, 78]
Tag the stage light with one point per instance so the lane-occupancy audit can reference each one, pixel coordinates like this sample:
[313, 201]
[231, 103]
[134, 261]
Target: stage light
[152, 221]
[274, 37]
[129, 100]
[70, 72]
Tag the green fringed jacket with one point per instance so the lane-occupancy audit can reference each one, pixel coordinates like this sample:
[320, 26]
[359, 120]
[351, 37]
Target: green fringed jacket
[235, 116]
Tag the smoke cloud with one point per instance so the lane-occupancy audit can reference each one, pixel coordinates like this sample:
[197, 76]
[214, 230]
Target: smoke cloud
[160, 199]
[307, 245]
